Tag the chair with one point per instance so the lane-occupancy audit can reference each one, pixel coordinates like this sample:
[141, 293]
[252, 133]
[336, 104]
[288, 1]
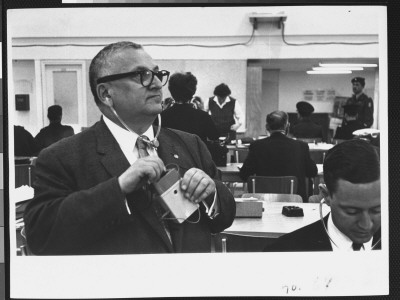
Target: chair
[268, 197]
[310, 140]
[270, 184]
[233, 242]
[24, 174]
[337, 141]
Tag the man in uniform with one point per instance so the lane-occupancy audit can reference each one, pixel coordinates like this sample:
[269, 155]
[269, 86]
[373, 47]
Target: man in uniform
[365, 104]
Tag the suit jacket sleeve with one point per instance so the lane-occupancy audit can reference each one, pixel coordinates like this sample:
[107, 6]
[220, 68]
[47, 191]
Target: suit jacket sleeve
[63, 216]
[368, 112]
[226, 201]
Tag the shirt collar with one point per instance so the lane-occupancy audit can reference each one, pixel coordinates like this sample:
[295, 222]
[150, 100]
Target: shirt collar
[127, 139]
[340, 241]
[227, 99]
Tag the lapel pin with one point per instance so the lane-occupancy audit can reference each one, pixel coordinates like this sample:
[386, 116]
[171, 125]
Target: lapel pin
[176, 156]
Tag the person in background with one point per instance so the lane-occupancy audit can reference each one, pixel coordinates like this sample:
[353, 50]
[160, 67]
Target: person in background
[279, 155]
[365, 105]
[55, 131]
[183, 116]
[351, 123]
[305, 128]
[352, 189]
[94, 192]
[167, 103]
[197, 102]
[225, 111]
[24, 143]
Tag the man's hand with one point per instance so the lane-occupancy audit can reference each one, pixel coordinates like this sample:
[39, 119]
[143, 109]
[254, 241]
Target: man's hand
[235, 127]
[143, 170]
[197, 185]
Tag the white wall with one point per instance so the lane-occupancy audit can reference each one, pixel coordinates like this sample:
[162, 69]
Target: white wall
[24, 83]
[200, 25]
[292, 85]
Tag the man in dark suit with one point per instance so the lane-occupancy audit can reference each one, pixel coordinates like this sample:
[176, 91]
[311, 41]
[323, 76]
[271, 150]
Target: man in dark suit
[94, 191]
[352, 190]
[365, 105]
[305, 127]
[55, 131]
[345, 132]
[279, 155]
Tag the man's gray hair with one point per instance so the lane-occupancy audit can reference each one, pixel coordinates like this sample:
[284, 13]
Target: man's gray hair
[100, 65]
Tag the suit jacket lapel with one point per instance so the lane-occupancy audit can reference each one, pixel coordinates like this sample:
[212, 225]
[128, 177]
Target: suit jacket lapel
[115, 162]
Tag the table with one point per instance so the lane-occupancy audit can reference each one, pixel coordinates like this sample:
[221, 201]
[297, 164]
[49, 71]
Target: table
[273, 223]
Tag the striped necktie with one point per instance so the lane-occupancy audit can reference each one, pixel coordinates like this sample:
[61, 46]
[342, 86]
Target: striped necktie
[142, 150]
[357, 246]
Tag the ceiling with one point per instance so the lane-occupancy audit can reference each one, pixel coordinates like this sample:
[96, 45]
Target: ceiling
[305, 64]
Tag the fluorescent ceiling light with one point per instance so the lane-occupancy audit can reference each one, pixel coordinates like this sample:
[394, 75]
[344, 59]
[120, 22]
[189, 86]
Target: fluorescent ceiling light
[338, 68]
[330, 72]
[348, 65]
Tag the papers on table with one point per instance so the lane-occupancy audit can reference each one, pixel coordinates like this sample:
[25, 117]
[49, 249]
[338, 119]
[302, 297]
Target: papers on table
[320, 146]
[22, 194]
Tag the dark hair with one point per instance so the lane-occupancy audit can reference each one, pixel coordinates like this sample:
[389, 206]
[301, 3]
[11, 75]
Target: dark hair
[100, 64]
[277, 120]
[356, 161]
[222, 90]
[182, 86]
[54, 113]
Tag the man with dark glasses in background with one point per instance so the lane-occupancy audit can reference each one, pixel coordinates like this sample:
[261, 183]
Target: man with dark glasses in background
[94, 192]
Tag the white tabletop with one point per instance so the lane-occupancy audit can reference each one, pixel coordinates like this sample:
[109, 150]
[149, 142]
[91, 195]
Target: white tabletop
[273, 223]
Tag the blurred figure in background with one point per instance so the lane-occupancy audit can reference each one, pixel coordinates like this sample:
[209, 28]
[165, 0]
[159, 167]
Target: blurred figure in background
[24, 143]
[350, 124]
[182, 115]
[55, 131]
[305, 128]
[225, 111]
[167, 103]
[197, 103]
[365, 105]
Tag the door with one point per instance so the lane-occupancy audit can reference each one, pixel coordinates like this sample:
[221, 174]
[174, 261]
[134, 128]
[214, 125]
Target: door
[64, 85]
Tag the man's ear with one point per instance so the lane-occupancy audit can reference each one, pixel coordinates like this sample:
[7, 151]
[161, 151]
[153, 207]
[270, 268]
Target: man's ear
[323, 190]
[103, 94]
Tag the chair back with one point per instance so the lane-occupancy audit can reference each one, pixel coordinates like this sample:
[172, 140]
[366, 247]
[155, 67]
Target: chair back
[268, 197]
[233, 242]
[310, 140]
[271, 184]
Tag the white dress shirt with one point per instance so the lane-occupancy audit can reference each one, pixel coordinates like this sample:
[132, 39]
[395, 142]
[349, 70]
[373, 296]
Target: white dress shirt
[127, 142]
[340, 242]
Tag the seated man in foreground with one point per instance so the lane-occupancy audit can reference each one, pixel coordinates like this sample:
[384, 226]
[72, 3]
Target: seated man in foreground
[352, 189]
[94, 192]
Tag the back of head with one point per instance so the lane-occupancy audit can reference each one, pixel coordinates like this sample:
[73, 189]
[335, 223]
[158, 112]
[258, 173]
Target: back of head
[222, 90]
[356, 161]
[101, 63]
[304, 108]
[277, 120]
[54, 113]
[182, 86]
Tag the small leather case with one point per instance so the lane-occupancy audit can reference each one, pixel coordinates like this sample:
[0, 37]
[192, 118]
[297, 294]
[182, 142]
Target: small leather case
[292, 211]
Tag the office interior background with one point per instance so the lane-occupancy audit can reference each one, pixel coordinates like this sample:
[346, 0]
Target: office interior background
[262, 53]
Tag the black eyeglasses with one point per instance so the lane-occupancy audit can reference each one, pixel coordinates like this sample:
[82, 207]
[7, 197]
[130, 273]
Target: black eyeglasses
[146, 77]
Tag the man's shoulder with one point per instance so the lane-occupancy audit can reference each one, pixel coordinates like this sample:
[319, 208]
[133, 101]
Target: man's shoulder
[309, 238]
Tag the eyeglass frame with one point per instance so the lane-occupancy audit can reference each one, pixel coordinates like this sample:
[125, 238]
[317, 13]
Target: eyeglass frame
[113, 77]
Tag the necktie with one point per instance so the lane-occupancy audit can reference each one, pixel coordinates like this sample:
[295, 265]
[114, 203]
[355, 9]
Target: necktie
[142, 150]
[356, 246]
